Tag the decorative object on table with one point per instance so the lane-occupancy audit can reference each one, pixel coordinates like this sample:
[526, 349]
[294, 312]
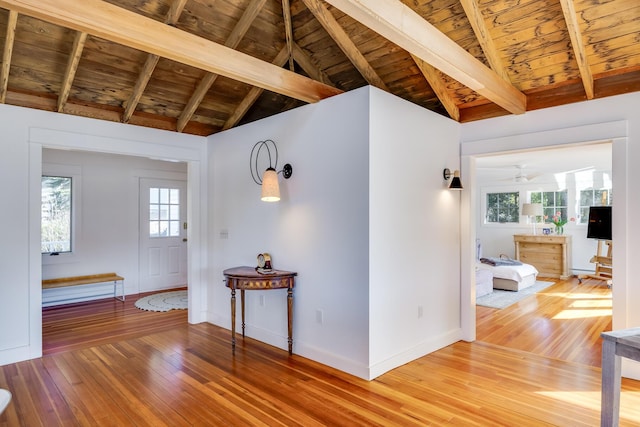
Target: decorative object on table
[456, 184]
[247, 278]
[164, 301]
[269, 179]
[559, 222]
[264, 264]
[532, 211]
[546, 231]
[501, 299]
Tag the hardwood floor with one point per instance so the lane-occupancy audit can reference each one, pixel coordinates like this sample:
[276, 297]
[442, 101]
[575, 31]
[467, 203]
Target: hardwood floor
[77, 326]
[177, 374]
[562, 322]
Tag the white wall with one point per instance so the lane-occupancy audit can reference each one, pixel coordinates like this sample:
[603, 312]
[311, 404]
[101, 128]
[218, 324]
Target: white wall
[414, 233]
[359, 220]
[106, 205]
[318, 229]
[24, 133]
[615, 118]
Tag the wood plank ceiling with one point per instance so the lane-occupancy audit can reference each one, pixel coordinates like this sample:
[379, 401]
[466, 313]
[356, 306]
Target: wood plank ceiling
[202, 66]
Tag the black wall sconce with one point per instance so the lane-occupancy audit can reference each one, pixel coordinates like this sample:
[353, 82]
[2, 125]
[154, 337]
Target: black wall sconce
[456, 184]
[269, 179]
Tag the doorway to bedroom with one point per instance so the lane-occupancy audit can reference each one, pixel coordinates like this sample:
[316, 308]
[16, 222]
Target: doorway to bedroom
[564, 320]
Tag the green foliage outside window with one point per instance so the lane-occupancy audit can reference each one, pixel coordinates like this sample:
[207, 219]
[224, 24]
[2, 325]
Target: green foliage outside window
[503, 207]
[56, 214]
[552, 203]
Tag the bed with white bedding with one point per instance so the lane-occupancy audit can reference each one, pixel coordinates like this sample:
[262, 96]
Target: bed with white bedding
[511, 277]
[507, 277]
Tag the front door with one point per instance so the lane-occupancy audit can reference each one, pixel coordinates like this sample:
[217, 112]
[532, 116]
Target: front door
[163, 234]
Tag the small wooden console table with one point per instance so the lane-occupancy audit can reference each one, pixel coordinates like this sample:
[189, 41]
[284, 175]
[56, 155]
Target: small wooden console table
[247, 278]
[615, 344]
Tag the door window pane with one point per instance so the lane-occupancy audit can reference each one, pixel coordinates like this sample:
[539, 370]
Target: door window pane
[164, 212]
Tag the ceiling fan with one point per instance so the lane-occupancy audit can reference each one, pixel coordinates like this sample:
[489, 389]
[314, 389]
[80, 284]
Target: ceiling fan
[521, 176]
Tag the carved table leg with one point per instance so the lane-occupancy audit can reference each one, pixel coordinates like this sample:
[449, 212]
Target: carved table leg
[242, 304]
[233, 320]
[290, 318]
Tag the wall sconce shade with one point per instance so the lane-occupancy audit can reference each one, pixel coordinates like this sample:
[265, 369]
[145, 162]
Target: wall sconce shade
[456, 184]
[270, 187]
[269, 179]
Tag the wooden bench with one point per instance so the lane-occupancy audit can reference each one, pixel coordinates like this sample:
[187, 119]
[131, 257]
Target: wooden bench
[86, 280]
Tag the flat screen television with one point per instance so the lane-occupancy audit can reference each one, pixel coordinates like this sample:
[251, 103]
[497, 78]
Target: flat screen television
[599, 226]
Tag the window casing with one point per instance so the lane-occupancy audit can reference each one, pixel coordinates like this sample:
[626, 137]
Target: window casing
[503, 207]
[56, 214]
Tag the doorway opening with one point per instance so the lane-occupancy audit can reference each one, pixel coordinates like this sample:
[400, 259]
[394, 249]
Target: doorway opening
[563, 321]
[108, 206]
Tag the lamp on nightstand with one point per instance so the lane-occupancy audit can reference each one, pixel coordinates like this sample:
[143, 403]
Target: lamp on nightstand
[532, 210]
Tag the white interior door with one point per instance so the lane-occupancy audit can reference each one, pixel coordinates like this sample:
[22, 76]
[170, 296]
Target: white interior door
[163, 234]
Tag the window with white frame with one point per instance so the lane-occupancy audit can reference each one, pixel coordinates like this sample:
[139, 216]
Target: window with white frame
[593, 197]
[552, 203]
[56, 214]
[503, 207]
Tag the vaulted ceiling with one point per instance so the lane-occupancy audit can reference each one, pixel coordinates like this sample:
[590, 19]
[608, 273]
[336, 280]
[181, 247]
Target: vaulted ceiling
[202, 66]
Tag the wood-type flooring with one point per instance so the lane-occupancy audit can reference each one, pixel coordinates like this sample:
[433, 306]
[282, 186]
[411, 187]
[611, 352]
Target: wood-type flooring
[534, 366]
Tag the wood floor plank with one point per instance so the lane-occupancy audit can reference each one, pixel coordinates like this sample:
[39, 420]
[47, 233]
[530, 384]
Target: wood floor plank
[175, 374]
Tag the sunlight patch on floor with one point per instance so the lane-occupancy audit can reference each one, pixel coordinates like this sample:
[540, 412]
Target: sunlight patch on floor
[582, 313]
[629, 401]
[592, 303]
[577, 295]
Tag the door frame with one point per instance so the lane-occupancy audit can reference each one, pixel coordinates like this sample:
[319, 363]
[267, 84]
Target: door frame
[115, 138]
[184, 207]
[617, 133]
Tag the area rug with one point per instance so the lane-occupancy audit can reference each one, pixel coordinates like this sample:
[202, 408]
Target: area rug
[165, 301]
[502, 299]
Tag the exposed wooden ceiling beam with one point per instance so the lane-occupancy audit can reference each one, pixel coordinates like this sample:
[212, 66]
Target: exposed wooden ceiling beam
[177, 6]
[72, 67]
[337, 33]
[481, 31]
[253, 95]
[150, 65]
[121, 26]
[48, 102]
[131, 103]
[578, 46]
[404, 27]
[436, 82]
[238, 32]
[288, 30]
[6, 55]
[307, 64]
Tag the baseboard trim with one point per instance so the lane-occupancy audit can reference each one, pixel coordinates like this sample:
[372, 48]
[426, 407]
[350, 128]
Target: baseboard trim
[416, 352]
